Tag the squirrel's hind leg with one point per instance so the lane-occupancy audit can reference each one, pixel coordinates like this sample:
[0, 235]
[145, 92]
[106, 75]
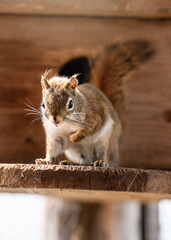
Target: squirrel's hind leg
[113, 151]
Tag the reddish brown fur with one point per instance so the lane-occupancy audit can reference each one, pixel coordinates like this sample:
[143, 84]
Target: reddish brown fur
[116, 63]
[107, 73]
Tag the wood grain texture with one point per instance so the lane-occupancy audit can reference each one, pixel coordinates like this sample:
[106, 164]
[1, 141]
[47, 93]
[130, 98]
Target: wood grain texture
[45, 179]
[30, 45]
[124, 8]
[20, 138]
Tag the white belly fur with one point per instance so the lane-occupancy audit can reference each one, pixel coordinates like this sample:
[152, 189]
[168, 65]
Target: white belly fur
[89, 144]
[74, 150]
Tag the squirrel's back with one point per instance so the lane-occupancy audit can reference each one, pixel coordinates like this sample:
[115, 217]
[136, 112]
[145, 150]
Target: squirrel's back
[97, 99]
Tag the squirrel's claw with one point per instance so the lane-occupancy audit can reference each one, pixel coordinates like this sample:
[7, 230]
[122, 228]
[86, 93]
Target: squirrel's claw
[42, 161]
[100, 163]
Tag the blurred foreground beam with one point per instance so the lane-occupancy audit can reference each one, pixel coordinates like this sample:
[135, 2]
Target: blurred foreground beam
[86, 183]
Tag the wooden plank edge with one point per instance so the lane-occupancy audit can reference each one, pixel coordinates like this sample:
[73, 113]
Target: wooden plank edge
[142, 15]
[90, 196]
[82, 181]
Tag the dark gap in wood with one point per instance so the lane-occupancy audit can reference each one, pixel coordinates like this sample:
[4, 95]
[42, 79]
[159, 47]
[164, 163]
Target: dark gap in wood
[143, 228]
[78, 65]
[167, 116]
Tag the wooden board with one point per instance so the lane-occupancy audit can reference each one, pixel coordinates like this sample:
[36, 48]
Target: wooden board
[30, 45]
[86, 183]
[20, 138]
[121, 8]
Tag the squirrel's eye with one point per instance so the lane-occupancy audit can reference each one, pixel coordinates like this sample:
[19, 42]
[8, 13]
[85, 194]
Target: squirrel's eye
[70, 104]
[43, 105]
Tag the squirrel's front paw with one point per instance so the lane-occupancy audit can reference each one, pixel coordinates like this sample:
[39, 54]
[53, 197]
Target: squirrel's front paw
[43, 161]
[75, 138]
[100, 163]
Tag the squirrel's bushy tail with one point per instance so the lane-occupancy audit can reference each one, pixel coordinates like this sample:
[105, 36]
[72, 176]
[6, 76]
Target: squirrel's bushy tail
[114, 64]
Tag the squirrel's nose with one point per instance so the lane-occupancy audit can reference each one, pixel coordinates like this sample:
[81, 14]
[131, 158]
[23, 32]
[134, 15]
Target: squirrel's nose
[54, 119]
[57, 120]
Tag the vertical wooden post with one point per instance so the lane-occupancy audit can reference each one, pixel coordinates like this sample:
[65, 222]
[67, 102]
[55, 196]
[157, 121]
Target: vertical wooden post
[67, 220]
[79, 221]
[150, 221]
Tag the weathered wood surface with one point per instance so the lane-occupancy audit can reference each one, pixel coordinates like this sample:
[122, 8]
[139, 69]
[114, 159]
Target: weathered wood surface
[55, 179]
[30, 45]
[121, 8]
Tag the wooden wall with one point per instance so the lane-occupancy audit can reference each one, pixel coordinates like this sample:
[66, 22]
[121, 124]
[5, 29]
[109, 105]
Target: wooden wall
[38, 37]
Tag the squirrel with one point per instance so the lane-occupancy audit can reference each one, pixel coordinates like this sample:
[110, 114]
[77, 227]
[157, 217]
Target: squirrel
[79, 120]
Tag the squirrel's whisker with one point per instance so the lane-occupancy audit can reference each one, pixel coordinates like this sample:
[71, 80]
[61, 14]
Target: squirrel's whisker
[76, 121]
[78, 113]
[35, 120]
[71, 122]
[29, 102]
[31, 107]
[32, 113]
[31, 110]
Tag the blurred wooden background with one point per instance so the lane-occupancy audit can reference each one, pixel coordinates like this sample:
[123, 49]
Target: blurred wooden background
[37, 35]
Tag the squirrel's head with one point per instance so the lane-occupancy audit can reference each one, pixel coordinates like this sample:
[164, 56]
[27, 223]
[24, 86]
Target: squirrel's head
[58, 97]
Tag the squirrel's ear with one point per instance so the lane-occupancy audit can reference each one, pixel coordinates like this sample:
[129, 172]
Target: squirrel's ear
[44, 83]
[44, 79]
[73, 82]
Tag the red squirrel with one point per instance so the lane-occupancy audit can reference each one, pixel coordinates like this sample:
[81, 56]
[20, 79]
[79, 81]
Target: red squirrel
[79, 120]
